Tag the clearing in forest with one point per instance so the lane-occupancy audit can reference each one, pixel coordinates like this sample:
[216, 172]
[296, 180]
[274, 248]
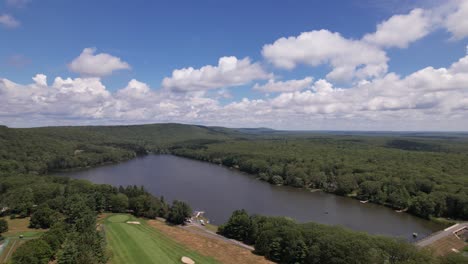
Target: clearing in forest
[16, 228]
[130, 243]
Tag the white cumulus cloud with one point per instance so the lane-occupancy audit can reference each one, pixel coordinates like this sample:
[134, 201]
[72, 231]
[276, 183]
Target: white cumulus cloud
[400, 30]
[428, 99]
[230, 71]
[349, 58]
[97, 65]
[457, 21]
[273, 86]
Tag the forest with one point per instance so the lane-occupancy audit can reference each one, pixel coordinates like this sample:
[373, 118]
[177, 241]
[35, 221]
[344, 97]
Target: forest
[427, 178]
[285, 241]
[68, 209]
[424, 174]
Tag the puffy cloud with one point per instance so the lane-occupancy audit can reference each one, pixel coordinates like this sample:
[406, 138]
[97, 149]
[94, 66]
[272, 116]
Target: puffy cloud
[461, 65]
[86, 100]
[366, 58]
[273, 86]
[8, 21]
[457, 21]
[400, 30]
[135, 89]
[98, 65]
[230, 71]
[40, 79]
[322, 86]
[427, 89]
[349, 58]
[431, 98]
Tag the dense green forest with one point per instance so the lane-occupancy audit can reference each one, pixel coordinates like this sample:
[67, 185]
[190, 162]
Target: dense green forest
[68, 208]
[430, 179]
[425, 173]
[285, 241]
[422, 172]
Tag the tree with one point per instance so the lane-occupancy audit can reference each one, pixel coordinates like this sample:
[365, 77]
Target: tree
[75, 207]
[368, 190]
[345, 184]
[21, 201]
[275, 249]
[453, 258]
[399, 198]
[163, 211]
[3, 226]
[294, 249]
[35, 251]
[398, 251]
[118, 203]
[43, 217]
[55, 236]
[69, 253]
[277, 180]
[239, 227]
[179, 212]
[145, 205]
[423, 206]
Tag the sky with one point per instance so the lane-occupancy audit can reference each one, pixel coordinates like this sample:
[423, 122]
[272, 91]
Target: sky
[393, 65]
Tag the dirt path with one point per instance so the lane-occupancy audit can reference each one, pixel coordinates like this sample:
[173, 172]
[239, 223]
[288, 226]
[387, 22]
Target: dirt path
[223, 251]
[200, 230]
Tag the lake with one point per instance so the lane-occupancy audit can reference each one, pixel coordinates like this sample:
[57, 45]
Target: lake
[219, 191]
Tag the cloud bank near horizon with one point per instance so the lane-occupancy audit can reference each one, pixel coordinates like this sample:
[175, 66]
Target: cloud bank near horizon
[357, 93]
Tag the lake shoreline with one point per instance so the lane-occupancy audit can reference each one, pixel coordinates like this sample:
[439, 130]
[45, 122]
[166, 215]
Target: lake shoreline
[218, 191]
[444, 222]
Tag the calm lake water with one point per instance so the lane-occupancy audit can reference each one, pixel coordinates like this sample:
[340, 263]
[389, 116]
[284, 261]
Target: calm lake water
[219, 191]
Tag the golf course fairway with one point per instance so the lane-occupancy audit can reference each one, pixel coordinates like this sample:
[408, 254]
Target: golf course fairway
[140, 243]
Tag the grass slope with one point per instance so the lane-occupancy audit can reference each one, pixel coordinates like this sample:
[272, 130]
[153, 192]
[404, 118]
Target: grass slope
[17, 227]
[143, 244]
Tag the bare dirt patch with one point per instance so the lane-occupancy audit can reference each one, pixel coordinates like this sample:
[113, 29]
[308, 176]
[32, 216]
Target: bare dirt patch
[445, 245]
[222, 251]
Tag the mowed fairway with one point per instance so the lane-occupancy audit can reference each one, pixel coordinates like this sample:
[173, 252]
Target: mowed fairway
[132, 243]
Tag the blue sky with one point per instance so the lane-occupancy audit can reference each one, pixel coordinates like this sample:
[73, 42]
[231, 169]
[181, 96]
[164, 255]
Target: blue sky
[154, 38]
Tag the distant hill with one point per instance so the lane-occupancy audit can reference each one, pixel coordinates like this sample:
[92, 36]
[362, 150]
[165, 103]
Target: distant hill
[260, 130]
[53, 148]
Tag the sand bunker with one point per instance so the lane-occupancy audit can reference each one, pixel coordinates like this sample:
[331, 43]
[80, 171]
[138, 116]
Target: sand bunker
[133, 222]
[187, 260]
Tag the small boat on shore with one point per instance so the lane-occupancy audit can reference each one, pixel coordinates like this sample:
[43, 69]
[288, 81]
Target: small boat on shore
[364, 202]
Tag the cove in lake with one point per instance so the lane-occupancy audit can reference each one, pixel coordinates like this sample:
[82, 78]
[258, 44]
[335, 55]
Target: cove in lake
[219, 191]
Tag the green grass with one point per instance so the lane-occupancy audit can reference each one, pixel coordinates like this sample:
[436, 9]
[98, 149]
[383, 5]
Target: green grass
[444, 221]
[16, 228]
[143, 244]
[118, 218]
[27, 234]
